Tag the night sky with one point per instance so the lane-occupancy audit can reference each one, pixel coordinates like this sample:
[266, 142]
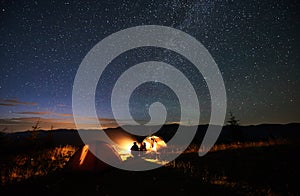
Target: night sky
[42, 43]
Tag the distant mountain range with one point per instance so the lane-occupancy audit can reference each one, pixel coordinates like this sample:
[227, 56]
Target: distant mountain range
[20, 141]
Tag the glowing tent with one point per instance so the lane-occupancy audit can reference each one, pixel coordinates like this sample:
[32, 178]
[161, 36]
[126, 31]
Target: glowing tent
[153, 143]
[85, 160]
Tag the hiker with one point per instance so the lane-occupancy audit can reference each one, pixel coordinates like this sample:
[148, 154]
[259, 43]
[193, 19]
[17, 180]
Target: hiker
[134, 149]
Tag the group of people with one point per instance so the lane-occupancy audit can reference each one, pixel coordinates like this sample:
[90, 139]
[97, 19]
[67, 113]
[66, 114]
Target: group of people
[136, 150]
[135, 147]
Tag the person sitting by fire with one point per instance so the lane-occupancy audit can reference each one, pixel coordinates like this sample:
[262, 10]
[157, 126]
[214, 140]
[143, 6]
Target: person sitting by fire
[152, 142]
[143, 147]
[134, 149]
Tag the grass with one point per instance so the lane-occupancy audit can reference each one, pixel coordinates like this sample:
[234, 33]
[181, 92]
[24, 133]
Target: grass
[250, 168]
[238, 145]
[39, 163]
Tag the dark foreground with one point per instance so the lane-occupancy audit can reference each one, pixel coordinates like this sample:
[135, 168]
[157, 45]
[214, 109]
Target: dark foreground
[270, 170]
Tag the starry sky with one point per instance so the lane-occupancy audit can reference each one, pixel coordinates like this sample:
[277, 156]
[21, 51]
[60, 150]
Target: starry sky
[42, 43]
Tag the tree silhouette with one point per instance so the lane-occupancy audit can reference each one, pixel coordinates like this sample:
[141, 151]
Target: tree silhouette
[35, 129]
[234, 125]
[232, 120]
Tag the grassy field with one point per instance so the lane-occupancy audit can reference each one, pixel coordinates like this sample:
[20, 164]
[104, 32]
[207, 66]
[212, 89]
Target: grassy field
[253, 168]
[17, 168]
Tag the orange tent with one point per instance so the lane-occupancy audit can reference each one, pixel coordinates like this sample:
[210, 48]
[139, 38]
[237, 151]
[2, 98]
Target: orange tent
[153, 143]
[85, 160]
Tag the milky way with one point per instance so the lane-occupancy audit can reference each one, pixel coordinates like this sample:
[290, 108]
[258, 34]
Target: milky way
[42, 43]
